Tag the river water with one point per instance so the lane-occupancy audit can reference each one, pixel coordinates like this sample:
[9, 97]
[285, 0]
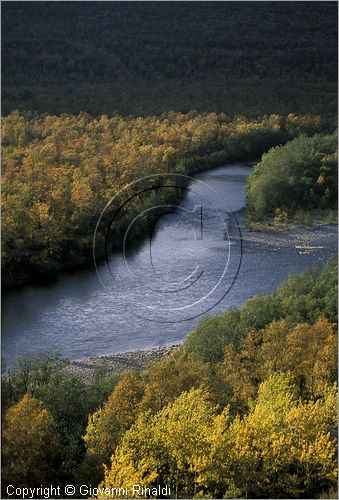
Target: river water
[200, 261]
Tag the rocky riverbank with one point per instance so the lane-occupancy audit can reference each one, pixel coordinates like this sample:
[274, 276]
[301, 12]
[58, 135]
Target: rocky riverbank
[119, 362]
[293, 239]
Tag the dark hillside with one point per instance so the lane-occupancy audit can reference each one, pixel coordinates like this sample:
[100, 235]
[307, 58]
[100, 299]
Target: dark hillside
[148, 57]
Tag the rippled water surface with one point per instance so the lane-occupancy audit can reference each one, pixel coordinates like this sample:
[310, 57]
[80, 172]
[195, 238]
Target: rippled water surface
[202, 260]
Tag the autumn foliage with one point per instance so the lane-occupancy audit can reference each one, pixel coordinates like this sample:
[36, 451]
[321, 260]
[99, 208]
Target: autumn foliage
[59, 172]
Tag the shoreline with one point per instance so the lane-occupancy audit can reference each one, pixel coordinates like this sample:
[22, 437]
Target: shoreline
[118, 362]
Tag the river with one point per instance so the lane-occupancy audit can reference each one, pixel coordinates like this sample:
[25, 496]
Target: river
[202, 261]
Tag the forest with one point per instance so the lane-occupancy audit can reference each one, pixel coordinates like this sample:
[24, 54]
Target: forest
[251, 410]
[59, 173]
[98, 94]
[144, 58]
[295, 179]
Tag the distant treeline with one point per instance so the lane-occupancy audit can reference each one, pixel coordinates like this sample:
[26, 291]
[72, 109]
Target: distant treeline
[142, 58]
[299, 176]
[59, 173]
[246, 407]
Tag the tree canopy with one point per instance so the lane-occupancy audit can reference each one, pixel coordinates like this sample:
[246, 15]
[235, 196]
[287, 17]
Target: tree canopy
[144, 58]
[300, 175]
[30, 443]
[60, 172]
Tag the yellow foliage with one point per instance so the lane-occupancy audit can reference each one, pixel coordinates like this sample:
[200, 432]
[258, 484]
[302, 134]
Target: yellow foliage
[29, 443]
[107, 425]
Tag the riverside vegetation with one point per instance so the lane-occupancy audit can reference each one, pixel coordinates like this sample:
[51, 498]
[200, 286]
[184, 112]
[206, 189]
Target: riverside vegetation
[59, 173]
[295, 180]
[250, 410]
[125, 65]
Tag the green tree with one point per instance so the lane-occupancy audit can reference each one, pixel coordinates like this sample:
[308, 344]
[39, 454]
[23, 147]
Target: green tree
[298, 175]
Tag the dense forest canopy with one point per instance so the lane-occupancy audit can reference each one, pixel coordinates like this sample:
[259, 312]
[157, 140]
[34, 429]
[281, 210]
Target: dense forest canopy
[149, 57]
[59, 173]
[300, 175]
[300, 299]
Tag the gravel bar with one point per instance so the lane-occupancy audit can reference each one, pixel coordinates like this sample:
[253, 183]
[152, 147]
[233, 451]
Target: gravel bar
[119, 362]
